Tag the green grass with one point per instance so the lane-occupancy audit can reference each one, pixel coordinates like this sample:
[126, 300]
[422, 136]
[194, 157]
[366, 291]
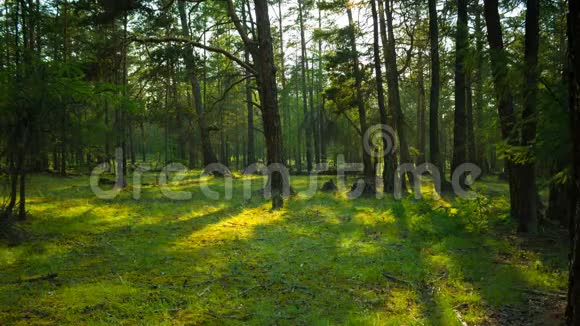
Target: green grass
[324, 260]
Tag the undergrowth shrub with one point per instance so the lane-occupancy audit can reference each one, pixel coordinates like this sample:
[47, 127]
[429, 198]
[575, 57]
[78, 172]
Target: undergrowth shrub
[475, 213]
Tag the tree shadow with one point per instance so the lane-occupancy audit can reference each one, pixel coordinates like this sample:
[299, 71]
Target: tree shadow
[321, 260]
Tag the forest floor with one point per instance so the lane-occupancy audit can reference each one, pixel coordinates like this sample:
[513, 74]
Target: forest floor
[322, 260]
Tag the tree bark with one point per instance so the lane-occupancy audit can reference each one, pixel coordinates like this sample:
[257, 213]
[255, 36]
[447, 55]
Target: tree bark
[314, 126]
[504, 95]
[394, 94]
[251, 154]
[22, 172]
[480, 156]
[320, 111]
[470, 131]
[421, 111]
[13, 186]
[380, 90]
[390, 159]
[251, 151]
[143, 147]
[63, 117]
[434, 151]
[528, 195]
[573, 306]
[459, 123]
[307, 116]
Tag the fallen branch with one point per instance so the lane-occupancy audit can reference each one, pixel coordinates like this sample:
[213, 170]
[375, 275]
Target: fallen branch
[48, 277]
[220, 316]
[396, 279]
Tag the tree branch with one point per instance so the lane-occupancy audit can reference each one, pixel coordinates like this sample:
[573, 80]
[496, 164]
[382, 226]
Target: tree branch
[198, 45]
[352, 123]
[409, 51]
[229, 89]
[237, 22]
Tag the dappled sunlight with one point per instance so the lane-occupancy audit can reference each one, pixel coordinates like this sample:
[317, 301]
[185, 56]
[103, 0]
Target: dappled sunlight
[399, 262]
[277, 162]
[114, 292]
[236, 227]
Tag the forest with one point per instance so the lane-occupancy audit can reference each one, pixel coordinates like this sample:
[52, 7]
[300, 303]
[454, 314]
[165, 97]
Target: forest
[285, 162]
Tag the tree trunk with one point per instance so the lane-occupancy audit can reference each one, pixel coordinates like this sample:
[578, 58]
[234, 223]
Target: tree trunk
[321, 125]
[22, 172]
[300, 130]
[123, 113]
[263, 55]
[380, 91]
[63, 121]
[314, 127]
[505, 105]
[207, 151]
[434, 151]
[528, 195]
[470, 132]
[269, 98]
[132, 145]
[394, 95]
[62, 163]
[390, 158]
[573, 307]
[307, 120]
[459, 130]
[421, 111]
[143, 147]
[369, 172]
[251, 151]
[480, 156]
[13, 186]
[251, 159]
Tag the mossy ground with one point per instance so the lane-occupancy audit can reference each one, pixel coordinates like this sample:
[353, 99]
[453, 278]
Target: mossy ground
[323, 260]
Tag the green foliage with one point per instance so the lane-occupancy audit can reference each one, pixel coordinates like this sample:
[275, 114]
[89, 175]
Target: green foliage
[476, 212]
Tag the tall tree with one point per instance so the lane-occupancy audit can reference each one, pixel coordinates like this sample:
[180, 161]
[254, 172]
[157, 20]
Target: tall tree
[320, 106]
[478, 145]
[251, 151]
[369, 171]
[188, 54]
[522, 202]
[459, 125]
[307, 124]
[263, 54]
[434, 152]
[394, 97]
[527, 199]
[63, 119]
[380, 88]
[469, 118]
[421, 137]
[573, 306]
[390, 158]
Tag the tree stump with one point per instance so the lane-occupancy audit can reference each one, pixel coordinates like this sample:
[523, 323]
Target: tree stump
[329, 186]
